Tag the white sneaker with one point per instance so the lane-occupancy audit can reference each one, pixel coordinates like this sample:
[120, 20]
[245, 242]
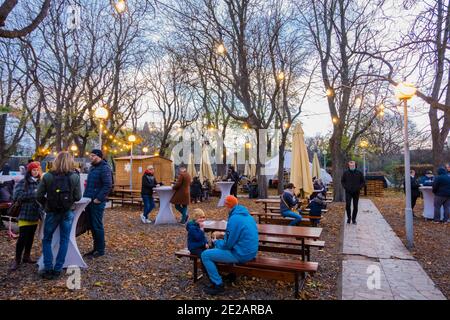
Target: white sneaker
[143, 219]
[148, 221]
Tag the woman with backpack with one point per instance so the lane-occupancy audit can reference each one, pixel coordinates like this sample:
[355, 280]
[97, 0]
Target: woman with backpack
[58, 191]
[29, 215]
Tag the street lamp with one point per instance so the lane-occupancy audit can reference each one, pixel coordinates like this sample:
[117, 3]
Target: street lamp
[363, 145]
[404, 92]
[74, 149]
[120, 6]
[131, 140]
[101, 113]
[145, 150]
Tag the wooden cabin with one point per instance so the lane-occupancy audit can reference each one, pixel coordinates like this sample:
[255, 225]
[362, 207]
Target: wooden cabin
[163, 170]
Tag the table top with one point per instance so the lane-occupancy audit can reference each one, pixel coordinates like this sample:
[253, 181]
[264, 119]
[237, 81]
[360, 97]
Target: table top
[268, 200]
[163, 188]
[271, 229]
[426, 187]
[224, 182]
[128, 191]
[83, 200]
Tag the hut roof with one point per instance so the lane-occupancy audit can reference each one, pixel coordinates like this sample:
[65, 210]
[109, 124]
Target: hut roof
[141, 157]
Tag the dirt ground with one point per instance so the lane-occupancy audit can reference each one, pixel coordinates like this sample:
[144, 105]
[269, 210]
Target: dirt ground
[140, 264]
[431, 241]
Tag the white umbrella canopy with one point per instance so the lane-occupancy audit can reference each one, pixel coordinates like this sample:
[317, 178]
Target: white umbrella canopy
[316, 166]
[300, 170]
[191, 166]
[205, 166]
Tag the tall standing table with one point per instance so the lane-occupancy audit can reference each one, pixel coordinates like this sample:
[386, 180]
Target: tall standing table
[165, 213]
[225, 188]
[428, 203]
[73, 256]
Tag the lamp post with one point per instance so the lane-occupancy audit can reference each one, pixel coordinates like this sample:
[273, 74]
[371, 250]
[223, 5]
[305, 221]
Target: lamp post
[324, 159]
[120, 6]
[101, 113]
[74, 149]
[145, 150]
[131, 140]
[363, 145]
[404, 92]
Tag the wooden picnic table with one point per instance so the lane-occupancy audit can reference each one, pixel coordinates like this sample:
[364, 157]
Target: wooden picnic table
[299, 233]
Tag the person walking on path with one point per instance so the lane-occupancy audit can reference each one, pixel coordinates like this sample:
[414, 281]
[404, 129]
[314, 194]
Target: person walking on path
[288, 204]
[239, 245]
[148, 183]
[58, 190]
[441, 190]
[352, 182]
[98, 187]
[29, 215]
[181, 198]
[234, 177]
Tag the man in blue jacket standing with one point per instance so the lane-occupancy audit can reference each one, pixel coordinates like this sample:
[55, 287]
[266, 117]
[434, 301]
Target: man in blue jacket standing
[240, 244]
[99, 184]
[441, 190]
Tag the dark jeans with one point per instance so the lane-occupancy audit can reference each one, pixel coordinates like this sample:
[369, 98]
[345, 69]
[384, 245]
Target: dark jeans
[96, 212]
[233, 190]
[414, 200]
[183, 210]
[349, 196]
[25, 241]
[438, 203]
[52, 221]
[149, 204]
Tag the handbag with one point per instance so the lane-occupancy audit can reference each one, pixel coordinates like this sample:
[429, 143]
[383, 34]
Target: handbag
[14, 209]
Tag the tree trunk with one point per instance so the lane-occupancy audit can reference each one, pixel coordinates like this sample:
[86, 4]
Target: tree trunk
[337, 165]
[262, 179]
[281, 162]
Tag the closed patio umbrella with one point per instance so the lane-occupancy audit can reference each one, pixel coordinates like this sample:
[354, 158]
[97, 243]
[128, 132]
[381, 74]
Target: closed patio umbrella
[316, 166]
[300, 170]
[191, 166]
[205, 166]
[247, 169]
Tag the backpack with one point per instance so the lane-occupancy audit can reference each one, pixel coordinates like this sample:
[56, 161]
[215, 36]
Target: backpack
[59, 196]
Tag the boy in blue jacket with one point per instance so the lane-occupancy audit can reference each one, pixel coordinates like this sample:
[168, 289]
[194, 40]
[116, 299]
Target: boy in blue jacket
[239, 245]
[197, 242]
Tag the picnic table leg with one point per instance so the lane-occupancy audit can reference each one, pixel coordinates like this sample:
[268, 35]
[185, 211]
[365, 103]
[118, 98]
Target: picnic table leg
[296, 286]
[195, 269]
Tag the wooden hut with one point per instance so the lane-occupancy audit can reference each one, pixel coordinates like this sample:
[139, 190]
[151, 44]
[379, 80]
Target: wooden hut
[163, 170]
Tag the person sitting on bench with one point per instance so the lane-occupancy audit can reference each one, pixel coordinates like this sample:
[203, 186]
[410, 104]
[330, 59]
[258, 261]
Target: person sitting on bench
[316, 206]
[288, 203]
[240, 244]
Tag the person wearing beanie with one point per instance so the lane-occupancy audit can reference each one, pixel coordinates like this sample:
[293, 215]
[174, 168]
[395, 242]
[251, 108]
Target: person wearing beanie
[30, 213]
[98, 186]
[148, 183]
[240, 244]
[316, 205]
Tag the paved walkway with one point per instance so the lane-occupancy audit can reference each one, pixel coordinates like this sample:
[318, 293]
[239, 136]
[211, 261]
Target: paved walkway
[377, 266]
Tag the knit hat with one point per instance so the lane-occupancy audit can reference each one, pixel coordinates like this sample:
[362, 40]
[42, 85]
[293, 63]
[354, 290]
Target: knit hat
[231, 201]
[97, 152]
[33, 165]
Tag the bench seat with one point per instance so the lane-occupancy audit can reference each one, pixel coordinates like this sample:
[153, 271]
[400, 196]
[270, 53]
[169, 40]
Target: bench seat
[264, 267]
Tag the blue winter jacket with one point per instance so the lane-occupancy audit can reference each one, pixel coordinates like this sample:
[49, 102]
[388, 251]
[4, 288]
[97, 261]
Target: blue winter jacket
[241, 235]
[99, 181]
[289, 199]
[196, 236]
[441, 183]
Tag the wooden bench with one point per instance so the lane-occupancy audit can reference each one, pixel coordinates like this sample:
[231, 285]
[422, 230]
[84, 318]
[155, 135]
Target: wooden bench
[277, 218]
[277, 209]
[264, 267]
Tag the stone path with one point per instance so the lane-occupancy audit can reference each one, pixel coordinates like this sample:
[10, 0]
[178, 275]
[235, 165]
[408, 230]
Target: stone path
[377, 266]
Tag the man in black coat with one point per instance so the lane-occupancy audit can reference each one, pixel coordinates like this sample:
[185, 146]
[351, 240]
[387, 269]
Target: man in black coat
[234, 177]
[352, 181]
[415, 192]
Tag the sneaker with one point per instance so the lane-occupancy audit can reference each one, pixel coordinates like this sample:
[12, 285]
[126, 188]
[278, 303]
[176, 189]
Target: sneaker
[214, 290]
[56, 274]
[90, 253]
[97, 254]
[47, 275]
[148, 221]
[354, 221]
[348, 221]
[143, 219]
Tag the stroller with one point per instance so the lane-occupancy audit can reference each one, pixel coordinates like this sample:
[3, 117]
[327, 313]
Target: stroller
[6, 192]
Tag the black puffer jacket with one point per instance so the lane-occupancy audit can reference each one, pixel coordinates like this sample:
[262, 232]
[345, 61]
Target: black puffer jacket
[148, 183]
[353, 181]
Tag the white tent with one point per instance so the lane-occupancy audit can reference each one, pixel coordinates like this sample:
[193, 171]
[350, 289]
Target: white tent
[272, 168]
